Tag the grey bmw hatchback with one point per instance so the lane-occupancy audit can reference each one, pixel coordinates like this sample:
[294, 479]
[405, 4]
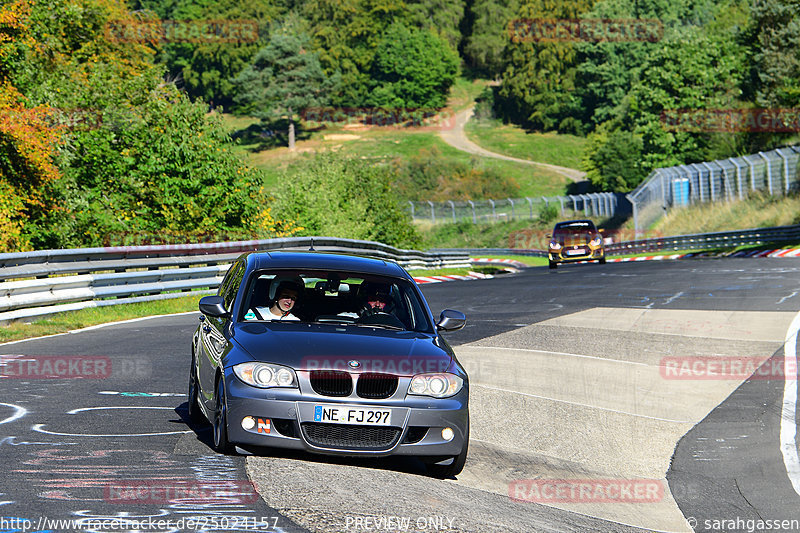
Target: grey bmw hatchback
[331, 354]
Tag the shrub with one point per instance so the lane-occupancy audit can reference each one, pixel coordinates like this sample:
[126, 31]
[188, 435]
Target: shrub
[348, 198]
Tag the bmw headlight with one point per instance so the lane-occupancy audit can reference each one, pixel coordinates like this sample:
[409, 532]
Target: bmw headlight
[265, 375]
[439, 385]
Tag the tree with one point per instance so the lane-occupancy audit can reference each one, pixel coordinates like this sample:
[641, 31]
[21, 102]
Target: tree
[612, 160]
[538, 86]
[283, 80]
[345, 35]
[440, 16]
[95, 146]
[412, 69]
[775, 48]
[690, 72]
[205, 66]
[488, 36]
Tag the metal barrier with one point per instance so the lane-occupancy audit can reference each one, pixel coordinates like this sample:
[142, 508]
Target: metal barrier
[595, 204]
[775, 172]
[40, 283]
[700, 241]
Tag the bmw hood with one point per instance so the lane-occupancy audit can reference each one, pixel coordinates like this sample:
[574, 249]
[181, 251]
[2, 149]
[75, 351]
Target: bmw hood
[330, 347]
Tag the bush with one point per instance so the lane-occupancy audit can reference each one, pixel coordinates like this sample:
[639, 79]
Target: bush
[348, 198]
[429, 176]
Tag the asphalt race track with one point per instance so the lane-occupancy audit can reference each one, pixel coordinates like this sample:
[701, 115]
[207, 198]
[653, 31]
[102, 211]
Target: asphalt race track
[655, 396]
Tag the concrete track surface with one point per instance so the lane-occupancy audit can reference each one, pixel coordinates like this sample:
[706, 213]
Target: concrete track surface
[574, 383]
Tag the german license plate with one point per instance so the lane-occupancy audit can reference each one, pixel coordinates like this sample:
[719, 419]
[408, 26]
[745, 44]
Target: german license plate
[352, 415]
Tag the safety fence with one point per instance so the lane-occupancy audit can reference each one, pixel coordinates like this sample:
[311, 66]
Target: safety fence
[39, 283]
[775, 172]
[594, 204]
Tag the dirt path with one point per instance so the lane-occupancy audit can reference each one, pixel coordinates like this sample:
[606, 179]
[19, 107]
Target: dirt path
[457, 138]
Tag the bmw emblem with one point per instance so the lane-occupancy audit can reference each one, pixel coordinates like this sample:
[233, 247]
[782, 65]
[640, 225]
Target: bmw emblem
[353, 364]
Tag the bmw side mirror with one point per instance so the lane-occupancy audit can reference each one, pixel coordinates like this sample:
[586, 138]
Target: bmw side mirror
[451, 320]
[213, 306]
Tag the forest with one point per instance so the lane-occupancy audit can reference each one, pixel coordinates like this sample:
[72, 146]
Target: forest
[106, 129]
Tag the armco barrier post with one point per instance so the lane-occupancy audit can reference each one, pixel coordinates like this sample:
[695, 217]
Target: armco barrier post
[769, 171]
[735, 163]
[785, 169]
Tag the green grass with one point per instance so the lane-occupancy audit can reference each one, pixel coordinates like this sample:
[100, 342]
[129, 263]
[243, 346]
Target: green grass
[525, 259]
[511, 140]
[396, 142]
[757, 211]
[63, 322]
[387, 144]
[464, 92]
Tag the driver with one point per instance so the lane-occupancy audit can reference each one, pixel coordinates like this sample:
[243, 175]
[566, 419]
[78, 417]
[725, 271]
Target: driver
[377, 298]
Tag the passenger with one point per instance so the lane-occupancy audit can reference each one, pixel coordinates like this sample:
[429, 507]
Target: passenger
[283, 295]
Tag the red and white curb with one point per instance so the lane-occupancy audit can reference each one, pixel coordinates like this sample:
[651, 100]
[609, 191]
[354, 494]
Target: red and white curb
[790, 252]
[644, 258]
[509, 262]
[451, 277]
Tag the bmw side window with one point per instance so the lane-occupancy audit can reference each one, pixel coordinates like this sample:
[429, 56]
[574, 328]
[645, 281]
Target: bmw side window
[233, 286]
[223, 287]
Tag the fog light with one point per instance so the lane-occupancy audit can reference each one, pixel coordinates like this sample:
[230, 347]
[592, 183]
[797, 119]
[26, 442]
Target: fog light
[248, 423]
[448, 434]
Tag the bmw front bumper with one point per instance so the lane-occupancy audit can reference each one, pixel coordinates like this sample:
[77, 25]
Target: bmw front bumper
[284, 418]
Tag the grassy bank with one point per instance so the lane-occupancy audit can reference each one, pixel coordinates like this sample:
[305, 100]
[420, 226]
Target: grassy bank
[511, 140]
[267, 150]
[72, 320]
[757, 211]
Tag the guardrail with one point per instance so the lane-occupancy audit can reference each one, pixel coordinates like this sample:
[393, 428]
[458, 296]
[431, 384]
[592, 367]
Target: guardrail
[700, 241]
[44, 282]
[40, 283]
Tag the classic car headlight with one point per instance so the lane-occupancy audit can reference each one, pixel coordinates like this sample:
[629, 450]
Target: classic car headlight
[440, 385]
[265, 375]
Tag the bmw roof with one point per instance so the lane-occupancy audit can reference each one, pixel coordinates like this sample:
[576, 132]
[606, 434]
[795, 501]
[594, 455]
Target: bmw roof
[323, 260]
